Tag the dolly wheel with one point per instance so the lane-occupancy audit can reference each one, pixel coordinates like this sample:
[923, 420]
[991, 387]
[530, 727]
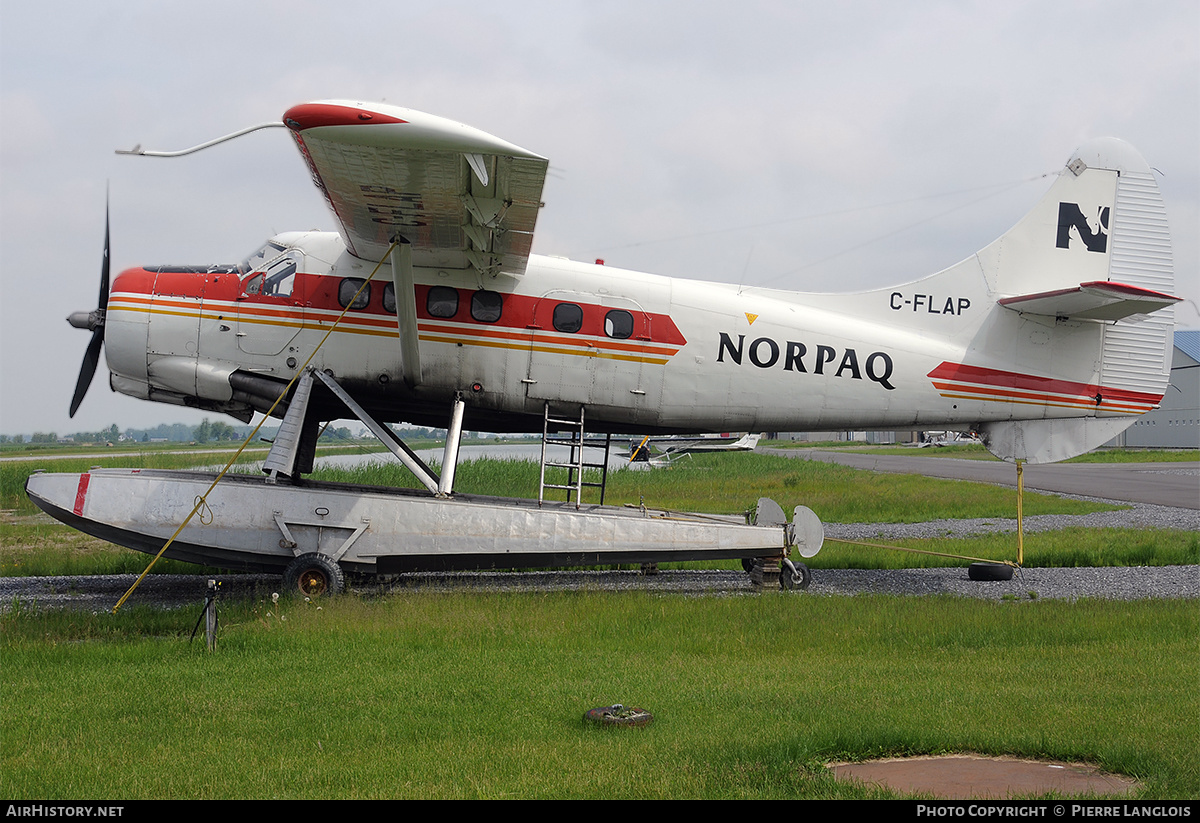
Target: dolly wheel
[796, 577]
[314, 575]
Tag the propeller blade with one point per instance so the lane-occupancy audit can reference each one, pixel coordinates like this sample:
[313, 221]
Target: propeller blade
[95, 321]
[88, 370]
[103, 304]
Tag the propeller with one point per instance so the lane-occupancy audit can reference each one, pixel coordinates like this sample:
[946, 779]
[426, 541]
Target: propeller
[93, 321]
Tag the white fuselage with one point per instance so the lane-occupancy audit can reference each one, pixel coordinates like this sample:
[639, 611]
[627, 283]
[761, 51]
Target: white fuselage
[640, 352]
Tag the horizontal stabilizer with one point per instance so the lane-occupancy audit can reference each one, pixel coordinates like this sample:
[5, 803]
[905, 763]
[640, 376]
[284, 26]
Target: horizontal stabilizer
[1099, 300]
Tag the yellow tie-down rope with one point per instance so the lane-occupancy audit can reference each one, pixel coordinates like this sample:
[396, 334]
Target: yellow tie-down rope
[1020, 534]
[201, 506]
[923, 551]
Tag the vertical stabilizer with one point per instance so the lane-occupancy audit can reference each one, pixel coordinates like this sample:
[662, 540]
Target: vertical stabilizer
[1103, 221]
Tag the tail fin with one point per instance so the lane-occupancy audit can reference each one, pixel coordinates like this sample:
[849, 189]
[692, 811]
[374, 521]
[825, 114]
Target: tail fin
[1095, 250]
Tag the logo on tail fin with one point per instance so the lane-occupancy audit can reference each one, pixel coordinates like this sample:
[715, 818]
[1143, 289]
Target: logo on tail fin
[1070, 216]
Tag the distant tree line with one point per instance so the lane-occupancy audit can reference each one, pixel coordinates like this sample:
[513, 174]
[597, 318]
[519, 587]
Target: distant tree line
[209, 432]
[216, 432]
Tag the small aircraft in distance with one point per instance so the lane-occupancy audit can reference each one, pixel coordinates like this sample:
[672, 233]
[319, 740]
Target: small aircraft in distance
[660, 451]
[428, 307]
[946, 438]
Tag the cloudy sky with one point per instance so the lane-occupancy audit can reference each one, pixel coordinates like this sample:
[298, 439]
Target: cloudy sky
[811, 146]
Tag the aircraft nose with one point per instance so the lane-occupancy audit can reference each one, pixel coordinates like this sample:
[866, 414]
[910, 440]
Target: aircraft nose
[85, 319]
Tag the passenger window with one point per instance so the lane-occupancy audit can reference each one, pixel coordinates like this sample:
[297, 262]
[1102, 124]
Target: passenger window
[486, 306]
[568, 318]
[618, 324]
[347, 289]
[442, 301]
[389, 298]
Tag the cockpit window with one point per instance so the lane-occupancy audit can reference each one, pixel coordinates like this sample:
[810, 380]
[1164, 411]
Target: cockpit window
[275, 278]
[266, 254]
[280, 276]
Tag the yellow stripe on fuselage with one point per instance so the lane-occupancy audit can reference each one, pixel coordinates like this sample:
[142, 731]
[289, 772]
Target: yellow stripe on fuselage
[655, 354]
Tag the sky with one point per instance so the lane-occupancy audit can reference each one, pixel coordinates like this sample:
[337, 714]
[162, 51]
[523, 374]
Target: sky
[810, 145]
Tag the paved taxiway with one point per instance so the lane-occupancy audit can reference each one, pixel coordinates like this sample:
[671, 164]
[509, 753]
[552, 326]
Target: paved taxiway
[1161, 484]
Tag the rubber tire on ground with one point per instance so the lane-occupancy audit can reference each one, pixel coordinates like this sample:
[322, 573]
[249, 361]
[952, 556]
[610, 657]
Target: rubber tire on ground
[314, 575]
[990, 571]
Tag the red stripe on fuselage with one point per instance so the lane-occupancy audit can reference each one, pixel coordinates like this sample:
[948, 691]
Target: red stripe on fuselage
[962, 373]
[531, 313]
[315, 293]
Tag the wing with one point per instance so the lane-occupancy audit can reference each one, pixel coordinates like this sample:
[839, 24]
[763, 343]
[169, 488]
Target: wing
[461, 197]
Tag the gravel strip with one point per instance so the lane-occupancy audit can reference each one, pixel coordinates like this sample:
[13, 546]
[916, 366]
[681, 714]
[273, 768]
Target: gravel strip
[1138, 515]
[1131, 583]
[101, 592]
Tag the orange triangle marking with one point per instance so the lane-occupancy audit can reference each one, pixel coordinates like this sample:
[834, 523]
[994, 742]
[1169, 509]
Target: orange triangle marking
[751, 317]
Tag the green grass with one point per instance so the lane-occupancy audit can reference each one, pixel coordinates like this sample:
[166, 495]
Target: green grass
[1069, 548]
[463, 696]
[1138, 456]
[733, 483]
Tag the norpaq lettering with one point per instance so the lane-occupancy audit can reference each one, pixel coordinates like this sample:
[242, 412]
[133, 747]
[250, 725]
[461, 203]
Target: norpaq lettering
[763, 352]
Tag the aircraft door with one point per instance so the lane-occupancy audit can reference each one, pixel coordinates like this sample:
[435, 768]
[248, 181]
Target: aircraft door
[595, 354]
[622, 380]
[561, 351]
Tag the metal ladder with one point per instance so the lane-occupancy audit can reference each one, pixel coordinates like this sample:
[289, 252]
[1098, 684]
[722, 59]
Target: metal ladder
[574, 439]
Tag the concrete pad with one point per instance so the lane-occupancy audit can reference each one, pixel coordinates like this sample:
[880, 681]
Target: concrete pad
[968, 776]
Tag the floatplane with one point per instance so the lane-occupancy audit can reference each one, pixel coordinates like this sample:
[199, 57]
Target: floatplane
[428, 307]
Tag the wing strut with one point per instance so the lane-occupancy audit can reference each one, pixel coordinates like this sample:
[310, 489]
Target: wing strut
[289, 440]
[386, 436]
[406, 310]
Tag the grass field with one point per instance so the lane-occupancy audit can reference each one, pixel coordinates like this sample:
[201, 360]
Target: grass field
[477, 695]
[732, 483]
[465, 695]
